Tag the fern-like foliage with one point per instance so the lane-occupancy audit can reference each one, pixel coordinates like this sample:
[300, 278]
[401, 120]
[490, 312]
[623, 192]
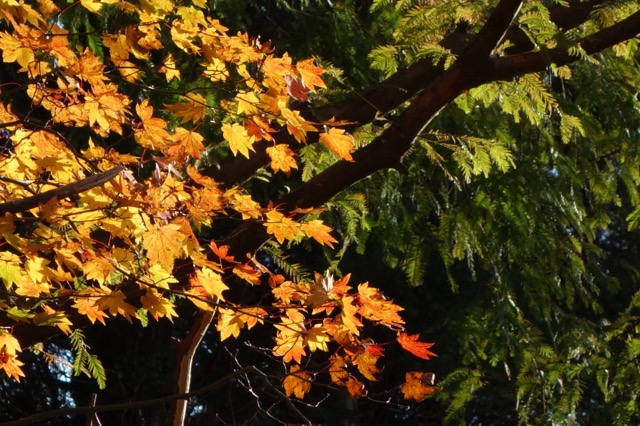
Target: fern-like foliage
[84, 362]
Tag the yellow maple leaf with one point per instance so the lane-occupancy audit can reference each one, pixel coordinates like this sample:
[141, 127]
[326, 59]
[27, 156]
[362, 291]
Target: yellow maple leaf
[157, 305]
[53, 318]
[10, 270]
[338, 370]
[348, 315]
[164, 244]
[281, 227]
[9, 347]
[153, 133]
[247, 103]
[317, 338]
[98, 268]
[116, 305]
[338, 142]
[189, 142]
[169, 68]
[290, 340]
[92, 5]
[210, 281]
[229, 323]
[238, 138]
[319, 232]
[297, 126]
[192, 108]
[282, 158]
[297, 382]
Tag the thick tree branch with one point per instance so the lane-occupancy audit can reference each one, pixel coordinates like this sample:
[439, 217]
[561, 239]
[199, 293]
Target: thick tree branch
[389, 94]
[387, 150]
[59, 193]
[508, 67]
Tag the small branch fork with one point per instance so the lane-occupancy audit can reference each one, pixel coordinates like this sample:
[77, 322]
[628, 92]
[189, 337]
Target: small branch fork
[93, 409]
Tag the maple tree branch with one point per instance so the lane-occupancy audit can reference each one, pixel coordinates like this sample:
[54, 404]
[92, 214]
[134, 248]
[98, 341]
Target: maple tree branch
[185, 352]
[508, 67]
[387, 149]
[52, 414]
[392, 92]
[75, 188]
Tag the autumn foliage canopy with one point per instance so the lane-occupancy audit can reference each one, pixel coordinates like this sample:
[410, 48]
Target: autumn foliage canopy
[109, 208]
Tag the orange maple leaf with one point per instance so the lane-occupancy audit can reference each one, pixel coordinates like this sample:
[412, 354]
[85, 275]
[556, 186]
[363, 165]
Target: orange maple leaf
[281, 227]
[310, 74]
[418, 385]
[317, 230]
[282, 158]
[338, 142]
[297, 382]
[375, 307]
[355, 388]
[411, 344]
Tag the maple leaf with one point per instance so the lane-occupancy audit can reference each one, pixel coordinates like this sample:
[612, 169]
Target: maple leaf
[247, 103]
[317, 230]
[348, 315]
[88, 306]
[164, 244]
[355, 388]
[317, 338]
[296, 89]
[211, 282]
[153, 134]
[193, 108]
[375, 307]
[238, 138]
[297, 382]
[366, 363]
[98, 268]
[418, 385]
[10, 270]
[338, 370]
[230, 322]
[338, 142]
[116, 305]
[169, 68]
[157, 305]
[310, 74]
[411, 344]
[281, 227]
[282, 158]
[290, 338]
[53, 318]
[9, 347]
[297, 126]
[189, 142]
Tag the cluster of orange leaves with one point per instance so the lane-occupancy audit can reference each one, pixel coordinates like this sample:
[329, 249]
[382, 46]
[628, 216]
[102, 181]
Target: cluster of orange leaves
[88, 252]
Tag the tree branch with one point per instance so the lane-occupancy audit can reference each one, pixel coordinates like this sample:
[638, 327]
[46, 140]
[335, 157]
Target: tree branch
[59, 193]
[186, 351]
[389, 94]
[508, 67]
[47, 415]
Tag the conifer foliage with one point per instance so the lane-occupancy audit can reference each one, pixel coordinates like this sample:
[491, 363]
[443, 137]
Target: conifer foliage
[137, 137]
